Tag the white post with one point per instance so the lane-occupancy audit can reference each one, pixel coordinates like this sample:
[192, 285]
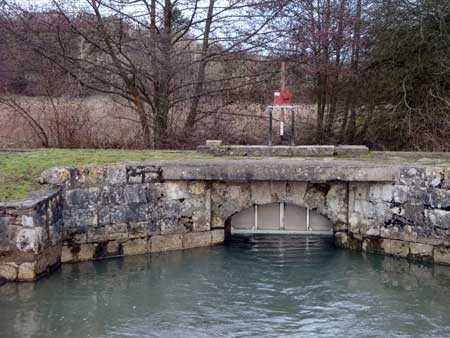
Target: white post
[307, 220]
[281, 215]
[256, 217]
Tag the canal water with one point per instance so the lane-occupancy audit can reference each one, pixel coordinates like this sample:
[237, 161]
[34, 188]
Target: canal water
[251, 287]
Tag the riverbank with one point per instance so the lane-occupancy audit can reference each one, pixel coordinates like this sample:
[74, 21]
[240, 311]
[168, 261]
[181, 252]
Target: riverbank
[20, 170]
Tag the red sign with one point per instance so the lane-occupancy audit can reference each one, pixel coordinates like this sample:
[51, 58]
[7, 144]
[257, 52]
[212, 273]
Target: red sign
[282, 97]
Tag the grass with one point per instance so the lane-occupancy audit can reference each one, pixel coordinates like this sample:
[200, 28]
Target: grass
[19, 171]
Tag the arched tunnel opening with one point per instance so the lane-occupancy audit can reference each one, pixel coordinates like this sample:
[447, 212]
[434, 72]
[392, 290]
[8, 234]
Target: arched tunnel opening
[278, 218]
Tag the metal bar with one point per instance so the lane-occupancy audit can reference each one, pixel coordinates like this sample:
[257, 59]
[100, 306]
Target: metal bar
[307, 220]
[281, 232]
[256, 217]
[270, 126]
[281, 125]
[292, 127]
[284, 106]
[281, 215]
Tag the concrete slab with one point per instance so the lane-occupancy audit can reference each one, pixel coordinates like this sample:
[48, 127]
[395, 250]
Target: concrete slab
[276, 169]
[281, 151]
[351, 150]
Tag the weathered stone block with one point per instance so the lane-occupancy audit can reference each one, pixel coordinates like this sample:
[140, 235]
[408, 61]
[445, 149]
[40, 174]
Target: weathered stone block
[344, 240]
[441, 255]
[108, 232]
[135, 194]
[104, 215]
[136, 246]
[413, 213]
[175, 225]
[420, 251]
[268, 192]
[437, 198]
[66, 254]
[139, 212]
[226, 200]
[75, 235]
[152, 174]
[113, 248]
[112, 195]
[373, 245]
[174, 190]
[55, 233]
[400, 193]
[437, 218]
[135, 174]
[78, 252]
[165, 243]
[30, 239]
[87, 176]
[196, 239]
[217, 236]
[138, 229]
[82, 197]
[48, 259]
[295, 193]
[381, 192]
[27, 271]
[119, 214]
[80, 217]
[395, 247]
[197, 188]
[28, 221]
[336, 203]
[55, 176]
[201, 219]
[116, 174]
[9, 271]
[350, 150]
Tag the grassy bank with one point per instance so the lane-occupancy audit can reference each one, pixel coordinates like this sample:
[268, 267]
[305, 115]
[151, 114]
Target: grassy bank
[19, 171]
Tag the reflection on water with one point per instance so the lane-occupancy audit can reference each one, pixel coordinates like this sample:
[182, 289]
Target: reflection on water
[258, 286]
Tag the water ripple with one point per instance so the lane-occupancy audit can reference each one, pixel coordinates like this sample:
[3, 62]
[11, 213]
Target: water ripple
[251, 287]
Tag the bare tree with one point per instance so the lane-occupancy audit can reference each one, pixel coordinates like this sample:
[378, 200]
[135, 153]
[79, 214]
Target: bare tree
[146, 52]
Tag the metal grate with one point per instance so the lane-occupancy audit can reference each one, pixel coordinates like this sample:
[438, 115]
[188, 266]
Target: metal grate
[280, 218]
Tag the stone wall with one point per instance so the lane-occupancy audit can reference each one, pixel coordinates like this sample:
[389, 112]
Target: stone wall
[130, 214]
[30, 235]
[137, 208]
[408, 218]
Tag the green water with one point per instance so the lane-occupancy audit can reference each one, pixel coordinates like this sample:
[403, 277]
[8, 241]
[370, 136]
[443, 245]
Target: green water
[254, 287]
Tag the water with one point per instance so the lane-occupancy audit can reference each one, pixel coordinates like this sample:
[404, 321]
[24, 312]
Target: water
[257, 287]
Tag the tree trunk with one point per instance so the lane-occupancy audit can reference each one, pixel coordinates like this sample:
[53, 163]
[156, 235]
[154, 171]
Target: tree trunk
[162, 85]
[191, 119]
[144, 120]
[354, 66]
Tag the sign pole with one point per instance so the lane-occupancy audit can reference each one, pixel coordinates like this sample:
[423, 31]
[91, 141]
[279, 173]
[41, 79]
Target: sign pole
[283, 87]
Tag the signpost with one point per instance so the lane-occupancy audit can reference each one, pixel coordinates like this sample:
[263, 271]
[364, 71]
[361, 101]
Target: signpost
[282, 101]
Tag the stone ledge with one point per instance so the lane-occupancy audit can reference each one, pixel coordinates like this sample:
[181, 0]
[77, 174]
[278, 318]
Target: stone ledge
[262, 150]
[267, 169]
[350, 150]
[31, 200]
[282, 151]
[32, 268]
[414, 251]
[271, 169]
[72, 253]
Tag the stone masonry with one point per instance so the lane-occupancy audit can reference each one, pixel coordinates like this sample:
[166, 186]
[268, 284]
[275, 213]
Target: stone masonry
[93, 212]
